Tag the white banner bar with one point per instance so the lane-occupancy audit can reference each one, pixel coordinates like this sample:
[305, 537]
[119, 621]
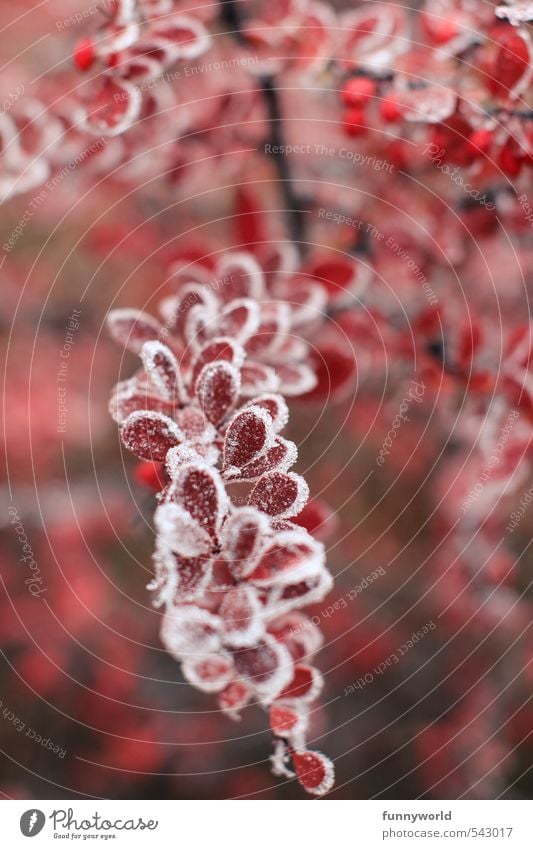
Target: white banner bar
[268, 824]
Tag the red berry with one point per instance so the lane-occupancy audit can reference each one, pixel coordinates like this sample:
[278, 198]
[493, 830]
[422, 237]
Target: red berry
[390, 109]
[480, 142]
[84, 54]
[398, 153]
[358, 90]
[150, 475]
[439, 29]
[354, 122]
[510, 159]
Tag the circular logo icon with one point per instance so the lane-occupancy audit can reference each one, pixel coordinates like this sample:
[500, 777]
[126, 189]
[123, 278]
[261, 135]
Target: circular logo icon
[32, 822]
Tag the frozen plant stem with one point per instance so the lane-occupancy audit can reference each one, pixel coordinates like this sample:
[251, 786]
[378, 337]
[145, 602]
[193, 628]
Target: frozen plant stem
[230, 16]
[293, 205]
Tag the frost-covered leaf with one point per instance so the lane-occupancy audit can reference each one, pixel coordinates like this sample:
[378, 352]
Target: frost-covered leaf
[257, 378]
[306, 684]
[240, 276]
[163, 371]
[286, 721]
[314, 771]
[276, 407]
[132, 328]
[129, 396]
[217, 390]
[242, 536]
[210, 673]
[308, 301]
[188, 629]
[234, 697]
[249, 435]
[298, 633]
[112, 108]
[185, 536]
[273, 328]
[291, 557]
[240, 612]
[295, 379]
[219, 349]
[195, 327]
[149, 435]
[200, 491]
[280, 494]
[239, 319]
[187, 34]
[191, 574]
[267, 666]
[300, 592]
[281, 457]
[179, 456]
[175, 308]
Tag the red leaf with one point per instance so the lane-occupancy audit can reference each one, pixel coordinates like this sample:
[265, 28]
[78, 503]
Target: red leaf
[200, 491]
[281, 456]
[250, 218]
[249, 435]
[239, 319]
[84, 53]
[314, 771]
[512, 60]
[305, 685]
[242, 537]
[280, 494]
[240, 276]
[217, 389]
[217, 350]
[150, 475]
[163, 371]
[317, 518]
[113, 108]
[240, 612]
[149, 435]
[335, 372]
[129, 396]
[256, 377]
[295, 379]
[132, 328]
[285, 721]
[289, 558]
[209, 673]
[234, 698]
[267, 665]
[276, 407]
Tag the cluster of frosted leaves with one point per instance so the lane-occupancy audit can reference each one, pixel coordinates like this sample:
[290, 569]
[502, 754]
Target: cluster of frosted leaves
[456, 99]
[516, 11]
[139, 41]
[295, 35]
[232, 571]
